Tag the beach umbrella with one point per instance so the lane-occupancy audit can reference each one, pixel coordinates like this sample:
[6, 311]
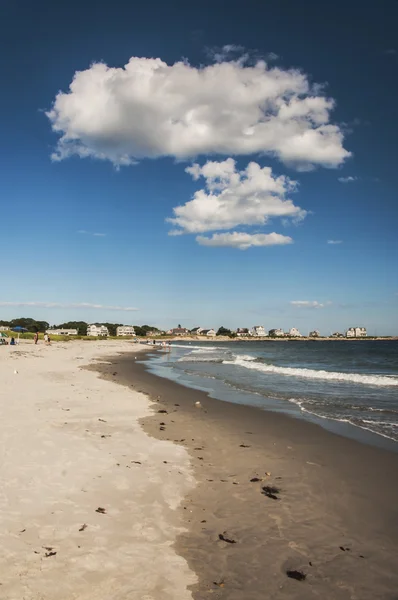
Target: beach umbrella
[19, 330]
[2, 334]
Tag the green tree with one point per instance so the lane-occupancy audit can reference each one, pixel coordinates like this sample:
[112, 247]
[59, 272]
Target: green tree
[223, 331]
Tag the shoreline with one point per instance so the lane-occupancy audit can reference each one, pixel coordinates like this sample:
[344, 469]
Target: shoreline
[335, 518]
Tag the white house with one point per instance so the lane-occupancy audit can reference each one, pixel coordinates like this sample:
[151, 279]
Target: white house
[356, 332]
[258, 331]
[314, 334]
[276, 333]
[196, 330]
[242, 332]
[294, 332]
[125, 330]
[62, 331]
[97, 330]
[4, 328]
[208, 332]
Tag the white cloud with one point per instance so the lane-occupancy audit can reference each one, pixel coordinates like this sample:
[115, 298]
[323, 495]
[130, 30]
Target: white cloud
[95, 234]
[308, 304]
[73, 305]
[348, 179]
[231, 198]
[334, 242]
[152, 109]
[243, 241]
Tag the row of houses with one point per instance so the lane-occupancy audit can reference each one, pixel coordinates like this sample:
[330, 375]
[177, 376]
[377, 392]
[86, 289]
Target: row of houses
[96, 331]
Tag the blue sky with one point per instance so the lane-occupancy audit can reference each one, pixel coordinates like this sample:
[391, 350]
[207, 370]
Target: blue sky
[253, 246]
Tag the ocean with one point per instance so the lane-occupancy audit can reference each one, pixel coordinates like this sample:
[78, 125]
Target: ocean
[352, 383]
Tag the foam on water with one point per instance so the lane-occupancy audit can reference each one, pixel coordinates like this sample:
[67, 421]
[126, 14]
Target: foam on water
[377, 380]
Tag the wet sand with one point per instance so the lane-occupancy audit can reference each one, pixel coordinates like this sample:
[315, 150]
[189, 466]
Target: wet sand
[277, 499]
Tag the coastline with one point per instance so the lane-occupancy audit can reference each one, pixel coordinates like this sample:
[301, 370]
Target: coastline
[88, 504]
[335, 518]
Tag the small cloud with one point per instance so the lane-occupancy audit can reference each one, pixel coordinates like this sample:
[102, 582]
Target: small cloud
[94, 234]
[334, 242]
[243, 241]
[308, 303]
[348, 179]
[272, 56]
[72, 305]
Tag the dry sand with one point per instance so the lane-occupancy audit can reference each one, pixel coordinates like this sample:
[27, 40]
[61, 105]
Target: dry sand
[70, 444]
[334, 517]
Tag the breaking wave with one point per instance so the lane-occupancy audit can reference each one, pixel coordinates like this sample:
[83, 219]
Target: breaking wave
[252, 363]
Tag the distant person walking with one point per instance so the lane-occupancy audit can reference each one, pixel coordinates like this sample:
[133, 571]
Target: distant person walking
[36, 337]
[46, 338]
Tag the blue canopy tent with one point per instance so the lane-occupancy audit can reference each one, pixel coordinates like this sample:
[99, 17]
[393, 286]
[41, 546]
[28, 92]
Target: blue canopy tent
[18, 329]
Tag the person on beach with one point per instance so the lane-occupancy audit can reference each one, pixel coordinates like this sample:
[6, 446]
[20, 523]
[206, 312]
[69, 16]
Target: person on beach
[36, 337]
[46, 338]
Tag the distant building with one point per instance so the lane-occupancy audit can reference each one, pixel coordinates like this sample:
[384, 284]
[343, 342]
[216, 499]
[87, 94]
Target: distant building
[294, 332]
[125, 330]
[314, 334]
[196, 330]
[242, 332]
[337, 334]
[178, 331]
[4, 328]
[208, 332]
[258, 331]
[153, 333]
[97, 330]
[276, 333]
[62, 331]
[356, 332]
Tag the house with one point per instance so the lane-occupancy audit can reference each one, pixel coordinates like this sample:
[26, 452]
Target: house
[242, 332]
[356, 332]
[62, 331]
[4, 328]
[314, 334]
[208, 332]
[294, 332]
[276, 333]
[196, 330]
[125, 330]
[97, 330]
[178, 331]
[153, 333]
[258, 331]
[337, 334]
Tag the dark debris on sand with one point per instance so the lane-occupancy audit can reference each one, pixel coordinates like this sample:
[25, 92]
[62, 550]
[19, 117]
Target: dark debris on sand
[223, 538]
[298, 575]
[270, 491]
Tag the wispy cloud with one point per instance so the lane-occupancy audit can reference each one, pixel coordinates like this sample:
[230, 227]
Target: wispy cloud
[243, 241]
[93, 233]
[83, 305]
[349, 179]
[391, 51]
[309, 304]
[334, 242]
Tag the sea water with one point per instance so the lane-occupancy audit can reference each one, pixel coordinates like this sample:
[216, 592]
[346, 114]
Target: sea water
[352, 382]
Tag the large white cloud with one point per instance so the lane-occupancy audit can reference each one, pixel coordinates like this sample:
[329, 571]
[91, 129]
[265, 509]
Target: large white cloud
[242, 240]
[232, 197]
[152, 109]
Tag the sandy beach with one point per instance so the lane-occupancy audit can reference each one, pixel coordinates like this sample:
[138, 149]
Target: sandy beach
[116, 485]
[283, 509]
[88, 500]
